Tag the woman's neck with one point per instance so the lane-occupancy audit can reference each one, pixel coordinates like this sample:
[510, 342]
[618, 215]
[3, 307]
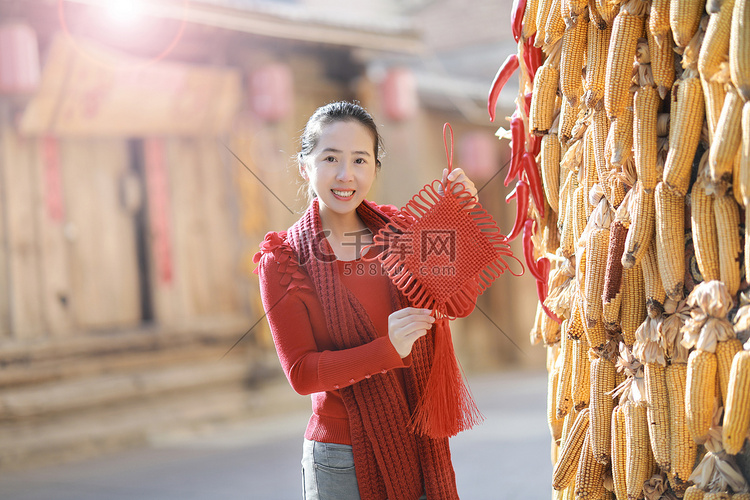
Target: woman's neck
[346, 233]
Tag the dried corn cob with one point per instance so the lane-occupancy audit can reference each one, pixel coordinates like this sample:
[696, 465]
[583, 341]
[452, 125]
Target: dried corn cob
[739, 48]
[613, 276]
[741, 496]
[655, 375]
[567, 462]
[596, 260]
[684, 132]
[619, 453]
[683, 448]
[645, 110]
[542, 112]
[737, 412]
[725, 352]
[655, 294]
[703, 223]
[693, 493]
[564, 401]
[607, 11]
[596, 65]
[670, 239]
[581, 377]
[658, 21]
[715, 46]
[684, 18]
[700, 393]
[528, 27]
[555, 26]
[571, 60]
[576, 8]
[589, 480]
[575, 329]
[717, 495]
[633, 308]
[568, 117]
[600, 128]
[727, 217]
[621, 132]
[727, 139]
[662, 62]
[714, 93]
[555, 424]
[627, 27]
[637, 448]
[550, 163]
[642, 226]
[602, 404]
[543, 8]
[596, 336]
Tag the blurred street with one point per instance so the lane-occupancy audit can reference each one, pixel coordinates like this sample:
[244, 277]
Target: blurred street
[507, 457]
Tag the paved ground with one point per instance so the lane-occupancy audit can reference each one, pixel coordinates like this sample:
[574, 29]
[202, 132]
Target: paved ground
[507, 457]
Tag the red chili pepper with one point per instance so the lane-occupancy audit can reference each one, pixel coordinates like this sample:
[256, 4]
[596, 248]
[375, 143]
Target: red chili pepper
[517, 133]
[535, 141]
[532, 56]
[541, 293]
[521, 194]
[516, 18]
[501, 78]
[528, 250]
[535, 181]
[527, 103]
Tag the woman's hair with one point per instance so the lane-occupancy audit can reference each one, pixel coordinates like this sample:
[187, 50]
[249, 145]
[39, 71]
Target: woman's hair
[333, 112]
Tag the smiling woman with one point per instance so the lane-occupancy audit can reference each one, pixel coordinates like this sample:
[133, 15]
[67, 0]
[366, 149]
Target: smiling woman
[343, 331]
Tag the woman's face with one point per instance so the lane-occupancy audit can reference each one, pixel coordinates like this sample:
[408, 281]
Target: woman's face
[342, 166]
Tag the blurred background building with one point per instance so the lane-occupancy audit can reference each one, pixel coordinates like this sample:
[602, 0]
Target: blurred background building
[146, 147]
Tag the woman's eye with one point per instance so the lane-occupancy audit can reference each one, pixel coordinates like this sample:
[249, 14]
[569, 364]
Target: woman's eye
[330, 159]
[360, 161]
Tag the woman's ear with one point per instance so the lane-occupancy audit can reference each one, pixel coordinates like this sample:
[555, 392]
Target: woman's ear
[303, 169]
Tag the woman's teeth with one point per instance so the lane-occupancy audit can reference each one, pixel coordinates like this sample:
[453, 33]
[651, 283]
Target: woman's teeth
[343, 194]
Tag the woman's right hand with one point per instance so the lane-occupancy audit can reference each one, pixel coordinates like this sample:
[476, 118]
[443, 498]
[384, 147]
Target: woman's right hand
[407, 325]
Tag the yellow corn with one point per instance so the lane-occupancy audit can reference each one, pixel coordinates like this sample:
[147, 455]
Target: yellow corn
[555, 424]
[670, 239]
[576, 8]
[744, 181]
[655, 294]
[715, 46]
[564, 401]
[567, 233]
[714, 93]
[700, 393]
[589, 481]
[568, 117]
[571, 60]
[619, 453]
[607, 11]
[555, 26]
[727, 139]
[703, 223]
[736, 191]
[540, 21]
[739, 48]
[645, 110]
[575, 326]
[611, 296]
[602, 404]
[596, 266]
[550, 330]
[684, 132]
[528, 28]
[684, 18]
[550, 163]
[741, 496]
[658, 21]
[655, 375]
[591, 176]
[662, 62]
[737, 411]
[580, 381]
[596, 64]
[633, 308]
[621, 132]
[725, 352]
[542, 110]
[694, 493]
[683, 448]
[627, 27]
[637, 448]
[642, 226]
[717, 495]
[570, 452]
[727, 216]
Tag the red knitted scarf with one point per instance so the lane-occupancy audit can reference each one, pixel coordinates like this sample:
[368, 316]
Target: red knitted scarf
[390, 460]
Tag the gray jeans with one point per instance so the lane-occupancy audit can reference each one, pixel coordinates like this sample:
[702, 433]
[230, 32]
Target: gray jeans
[328, 472]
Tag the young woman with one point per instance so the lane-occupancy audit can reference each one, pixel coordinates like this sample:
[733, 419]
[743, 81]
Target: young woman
[343, 332]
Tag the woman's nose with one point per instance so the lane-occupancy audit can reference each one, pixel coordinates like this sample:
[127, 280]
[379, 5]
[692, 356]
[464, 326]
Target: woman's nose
[345, 171]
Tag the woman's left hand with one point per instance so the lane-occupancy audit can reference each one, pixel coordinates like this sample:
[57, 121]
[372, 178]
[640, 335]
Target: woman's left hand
[458, 175]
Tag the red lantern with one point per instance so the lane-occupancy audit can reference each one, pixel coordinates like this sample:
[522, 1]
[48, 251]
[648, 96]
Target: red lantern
[272, 92]
[478, 154]
[399, 90]
[19, 59]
